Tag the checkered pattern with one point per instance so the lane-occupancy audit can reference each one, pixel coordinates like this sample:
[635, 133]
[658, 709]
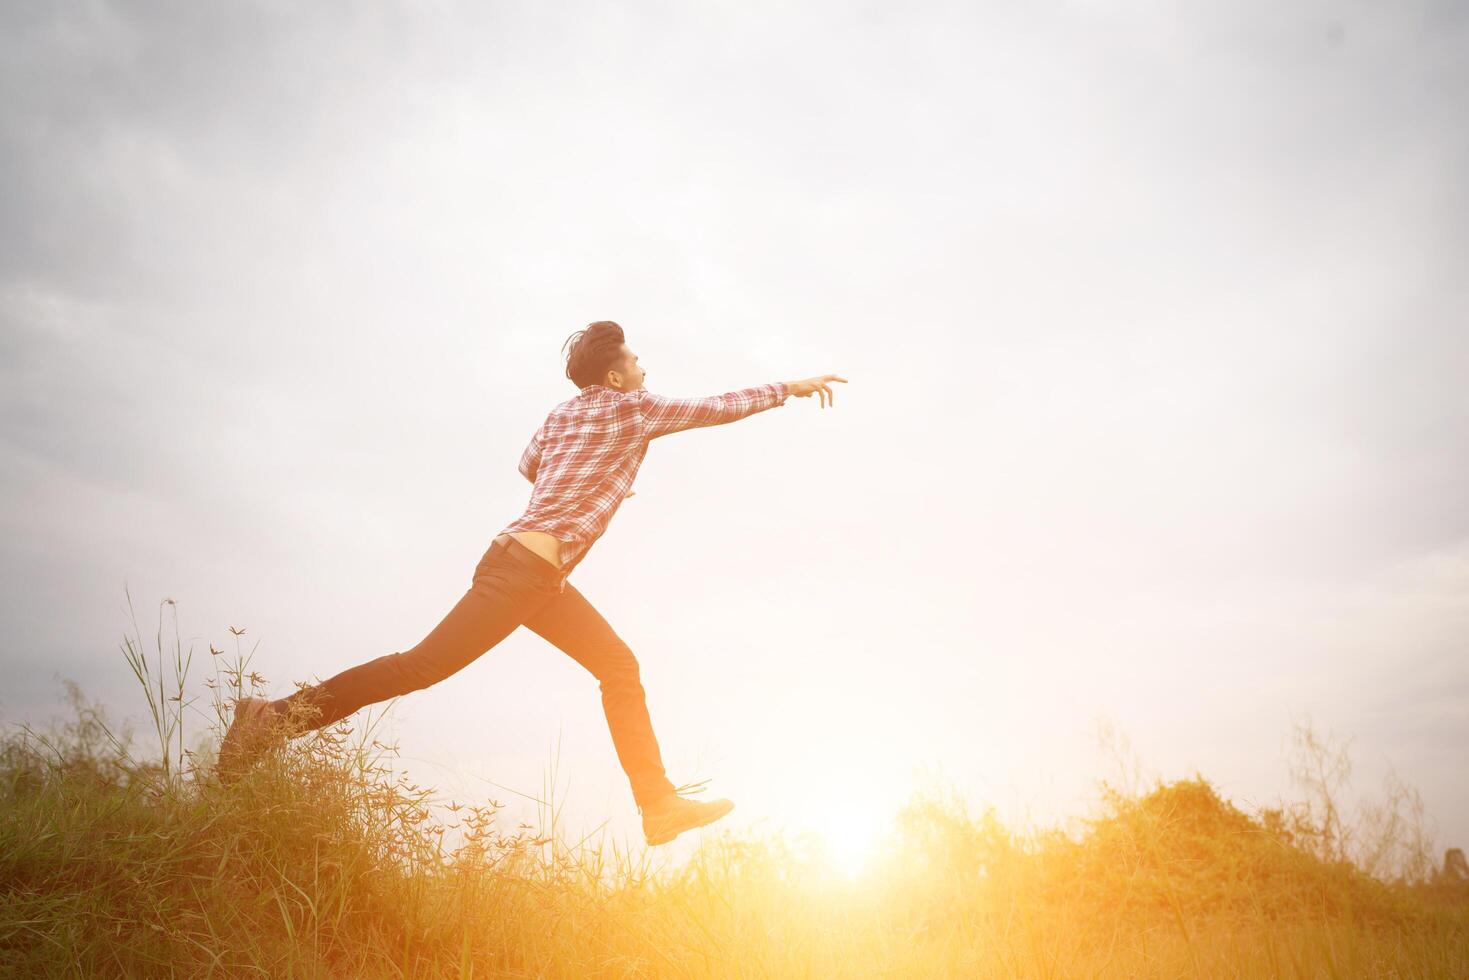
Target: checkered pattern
[583, 459]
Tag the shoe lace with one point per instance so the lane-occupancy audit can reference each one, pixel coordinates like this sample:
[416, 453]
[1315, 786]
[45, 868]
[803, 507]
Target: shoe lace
[690, 789]
[686, 790]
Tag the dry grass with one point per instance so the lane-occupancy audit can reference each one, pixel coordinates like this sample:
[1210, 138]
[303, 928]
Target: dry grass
[323, 862]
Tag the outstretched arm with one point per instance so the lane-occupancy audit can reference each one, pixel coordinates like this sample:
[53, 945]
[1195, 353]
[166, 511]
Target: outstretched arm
[663, 415]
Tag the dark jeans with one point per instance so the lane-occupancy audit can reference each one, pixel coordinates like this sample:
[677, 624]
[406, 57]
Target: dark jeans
[512, 586]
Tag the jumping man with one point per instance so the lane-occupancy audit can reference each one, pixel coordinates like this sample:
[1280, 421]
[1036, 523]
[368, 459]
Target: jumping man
[581, 463]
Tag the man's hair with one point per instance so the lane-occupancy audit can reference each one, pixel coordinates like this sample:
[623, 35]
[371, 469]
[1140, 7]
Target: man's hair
[594, 351]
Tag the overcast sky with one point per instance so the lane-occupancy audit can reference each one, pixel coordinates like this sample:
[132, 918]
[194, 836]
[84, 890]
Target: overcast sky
[1153, 315]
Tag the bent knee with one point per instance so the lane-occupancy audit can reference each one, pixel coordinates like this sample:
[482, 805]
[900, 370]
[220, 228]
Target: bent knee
[620, 669]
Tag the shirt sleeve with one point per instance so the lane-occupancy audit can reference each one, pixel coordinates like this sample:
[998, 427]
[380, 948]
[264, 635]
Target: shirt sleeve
[663, 415]
[530, 460]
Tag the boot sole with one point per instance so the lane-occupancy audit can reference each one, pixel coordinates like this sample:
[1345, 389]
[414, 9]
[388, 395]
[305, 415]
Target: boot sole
[239, 747]
[666, 834]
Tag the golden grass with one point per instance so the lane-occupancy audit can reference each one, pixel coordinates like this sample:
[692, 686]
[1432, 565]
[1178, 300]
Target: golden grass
[322, 862]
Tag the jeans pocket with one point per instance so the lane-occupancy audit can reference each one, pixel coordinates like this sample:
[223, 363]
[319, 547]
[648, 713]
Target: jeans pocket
[497, 572]
[504, 575]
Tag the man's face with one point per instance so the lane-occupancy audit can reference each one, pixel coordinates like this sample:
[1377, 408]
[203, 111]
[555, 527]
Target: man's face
[630, 372]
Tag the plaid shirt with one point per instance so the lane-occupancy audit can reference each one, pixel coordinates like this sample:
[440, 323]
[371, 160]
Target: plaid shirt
[584, 457]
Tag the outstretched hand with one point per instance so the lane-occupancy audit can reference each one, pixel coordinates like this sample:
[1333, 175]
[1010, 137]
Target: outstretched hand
[812, 386]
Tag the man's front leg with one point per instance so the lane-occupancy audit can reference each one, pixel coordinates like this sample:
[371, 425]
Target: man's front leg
[571, 624]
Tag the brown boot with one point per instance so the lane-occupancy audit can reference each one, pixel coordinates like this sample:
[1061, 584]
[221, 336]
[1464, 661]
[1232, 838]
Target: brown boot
[251, 731]
[673, 814]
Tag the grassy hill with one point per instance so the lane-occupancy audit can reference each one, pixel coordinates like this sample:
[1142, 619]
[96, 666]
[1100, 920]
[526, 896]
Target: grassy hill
[323, 862]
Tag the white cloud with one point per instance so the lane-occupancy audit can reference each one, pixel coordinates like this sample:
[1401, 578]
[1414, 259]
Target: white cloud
[1151, 321]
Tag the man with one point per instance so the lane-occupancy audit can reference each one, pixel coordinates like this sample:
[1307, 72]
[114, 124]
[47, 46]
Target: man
[581, 463]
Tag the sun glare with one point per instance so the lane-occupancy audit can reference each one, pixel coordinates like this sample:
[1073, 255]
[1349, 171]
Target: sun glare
[846, 833]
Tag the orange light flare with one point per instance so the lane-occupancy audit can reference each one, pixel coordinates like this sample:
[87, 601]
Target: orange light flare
[843, 835]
